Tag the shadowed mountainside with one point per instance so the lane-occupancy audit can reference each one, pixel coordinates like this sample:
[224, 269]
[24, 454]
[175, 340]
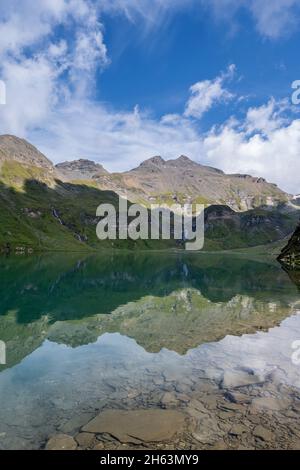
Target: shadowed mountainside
[62, 217]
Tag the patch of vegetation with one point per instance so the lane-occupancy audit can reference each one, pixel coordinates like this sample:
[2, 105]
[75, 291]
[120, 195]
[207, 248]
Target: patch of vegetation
[35, 216]
[40, 214]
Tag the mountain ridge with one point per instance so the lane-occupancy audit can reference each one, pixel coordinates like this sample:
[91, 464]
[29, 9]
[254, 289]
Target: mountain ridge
[20, 150]
[183, 180]
[80, 169]
[40, 211]
[155, 180]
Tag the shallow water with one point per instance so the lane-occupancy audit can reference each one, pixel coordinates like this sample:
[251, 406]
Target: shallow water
[120, 331]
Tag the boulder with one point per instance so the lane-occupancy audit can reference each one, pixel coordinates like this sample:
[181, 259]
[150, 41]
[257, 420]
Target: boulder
[61, 442]
[236, 378]
[263, 433]
[138, 425]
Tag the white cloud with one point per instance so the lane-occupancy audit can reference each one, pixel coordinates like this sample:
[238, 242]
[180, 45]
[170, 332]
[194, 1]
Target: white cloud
[89, 50]
[119, 140]
[271, 150]
[153, 12]
[273, 18]
[277, 17]
[122, 140]
[207, 93]
[266, 118]
[31, 93]
[34, 85]
[24, 23]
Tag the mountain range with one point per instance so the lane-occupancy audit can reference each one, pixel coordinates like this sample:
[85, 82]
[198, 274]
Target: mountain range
[181, 180]
[47, 207]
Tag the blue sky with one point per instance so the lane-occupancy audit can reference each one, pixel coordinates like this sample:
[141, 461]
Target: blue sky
[119, 81]
[157, 70]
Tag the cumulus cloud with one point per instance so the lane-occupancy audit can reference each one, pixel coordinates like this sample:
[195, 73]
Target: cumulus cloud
[41, 71]
[24, 23]
[207, 93]
[31, 93]
[119, 140]
[275, 18]
[267, 118]
[264, 144]
[268, 146]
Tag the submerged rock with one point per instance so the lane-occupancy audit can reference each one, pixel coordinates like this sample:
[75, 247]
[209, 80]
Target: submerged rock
[61, 442]
[138, 425]
[263, 433]
[271, 403]
[85, 439]
[238, 429]
[235, 379]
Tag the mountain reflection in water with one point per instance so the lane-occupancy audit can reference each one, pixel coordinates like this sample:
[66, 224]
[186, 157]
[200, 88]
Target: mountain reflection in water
[88, 333]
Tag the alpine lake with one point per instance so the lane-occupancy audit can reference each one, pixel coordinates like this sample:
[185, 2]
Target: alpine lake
[149, 350]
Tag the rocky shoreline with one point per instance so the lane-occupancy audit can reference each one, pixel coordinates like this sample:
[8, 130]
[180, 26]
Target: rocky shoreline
[252, 414]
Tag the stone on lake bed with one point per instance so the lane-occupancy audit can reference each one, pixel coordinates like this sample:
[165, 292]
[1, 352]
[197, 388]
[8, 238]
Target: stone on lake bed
[270, 403]
[168, 399]
[99, 446]
[235, 379]
[263, 433]
[61, 442]
[143, 425]
[238, 429]
[237, 397]
[75, 423]
[85, 439]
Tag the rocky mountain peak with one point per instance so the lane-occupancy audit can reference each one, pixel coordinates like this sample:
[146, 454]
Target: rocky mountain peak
[184, 159]
[181, 161]
[153, 161]
[80, 169]
[19, 150]
[184, 162]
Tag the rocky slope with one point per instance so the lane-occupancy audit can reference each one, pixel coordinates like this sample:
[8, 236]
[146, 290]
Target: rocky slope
[19, 150]
[183, 180]
[80, 170]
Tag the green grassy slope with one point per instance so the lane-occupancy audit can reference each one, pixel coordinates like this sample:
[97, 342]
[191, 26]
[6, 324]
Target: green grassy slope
[40, 213]
[43, 214]
[226, 229]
